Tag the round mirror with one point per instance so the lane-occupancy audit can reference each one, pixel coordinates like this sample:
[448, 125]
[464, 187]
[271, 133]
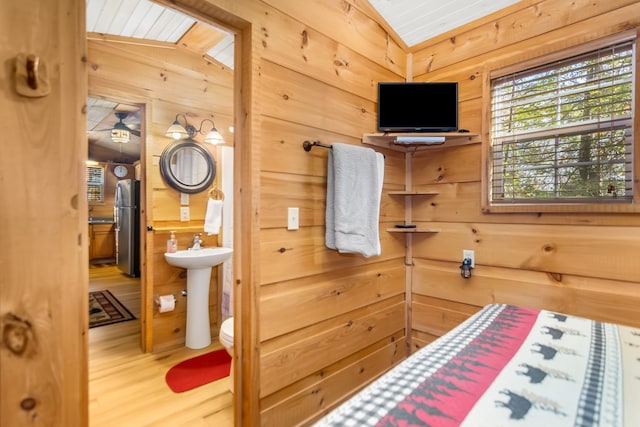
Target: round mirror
[187, 167]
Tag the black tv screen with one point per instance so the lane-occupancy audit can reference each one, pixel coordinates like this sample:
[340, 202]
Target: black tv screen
[417, 106]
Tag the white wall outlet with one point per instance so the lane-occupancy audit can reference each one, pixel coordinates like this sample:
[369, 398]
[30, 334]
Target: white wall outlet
[184, 199]
[468, 253]
[184, 213]
[293, 222]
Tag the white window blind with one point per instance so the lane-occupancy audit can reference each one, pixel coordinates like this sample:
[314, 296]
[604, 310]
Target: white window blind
[563, 132]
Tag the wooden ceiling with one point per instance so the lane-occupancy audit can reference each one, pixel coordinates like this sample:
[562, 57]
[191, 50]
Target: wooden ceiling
[101, 118]
[415, 21]
[144, 21]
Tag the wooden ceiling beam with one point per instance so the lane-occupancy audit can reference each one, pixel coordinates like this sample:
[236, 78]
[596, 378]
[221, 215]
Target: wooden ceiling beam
[201, 38]
[130, 40]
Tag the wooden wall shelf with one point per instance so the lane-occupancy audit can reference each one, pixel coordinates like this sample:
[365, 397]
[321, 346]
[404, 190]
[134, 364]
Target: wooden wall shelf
[413, 230]
[413, 193]
[387, 140]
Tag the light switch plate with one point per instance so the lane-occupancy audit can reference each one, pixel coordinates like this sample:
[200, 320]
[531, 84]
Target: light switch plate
[293, 219]
[184, 199]
[184, 213]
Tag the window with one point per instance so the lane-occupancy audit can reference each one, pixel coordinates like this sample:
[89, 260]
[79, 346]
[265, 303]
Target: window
[562, 132]
[95, 184]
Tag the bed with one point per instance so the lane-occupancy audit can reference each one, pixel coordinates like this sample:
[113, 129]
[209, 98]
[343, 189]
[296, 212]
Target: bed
[509, 366]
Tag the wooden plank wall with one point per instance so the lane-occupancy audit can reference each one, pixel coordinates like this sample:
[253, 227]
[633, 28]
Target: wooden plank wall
[43, 288]
[578, 263]
[166, 81]
[327, 323]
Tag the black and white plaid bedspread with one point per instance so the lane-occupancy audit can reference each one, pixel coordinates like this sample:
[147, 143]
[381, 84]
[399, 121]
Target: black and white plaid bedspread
[509, 366]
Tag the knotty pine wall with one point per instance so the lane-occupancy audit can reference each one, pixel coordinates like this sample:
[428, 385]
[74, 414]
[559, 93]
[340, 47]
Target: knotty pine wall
[577, 263]
[43, 289]
[326, 323]
[166, 80]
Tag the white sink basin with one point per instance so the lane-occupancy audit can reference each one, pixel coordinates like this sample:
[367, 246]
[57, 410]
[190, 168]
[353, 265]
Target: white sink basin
[199, 258]
[198, 263]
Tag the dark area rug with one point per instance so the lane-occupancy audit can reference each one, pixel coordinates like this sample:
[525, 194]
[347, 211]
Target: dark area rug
[105, 309]
[198, 371]
[102, 262]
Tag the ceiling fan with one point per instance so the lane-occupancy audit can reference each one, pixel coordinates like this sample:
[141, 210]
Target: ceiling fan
[120, 132]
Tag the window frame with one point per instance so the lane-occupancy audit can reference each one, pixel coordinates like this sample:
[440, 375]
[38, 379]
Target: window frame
[97, 184]
[496, 70]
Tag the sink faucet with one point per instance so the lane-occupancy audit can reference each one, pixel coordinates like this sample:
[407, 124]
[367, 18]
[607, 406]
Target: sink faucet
[196, 242]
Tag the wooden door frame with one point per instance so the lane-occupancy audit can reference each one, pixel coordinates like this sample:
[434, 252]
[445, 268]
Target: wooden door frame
[45, 269]
[246, 399]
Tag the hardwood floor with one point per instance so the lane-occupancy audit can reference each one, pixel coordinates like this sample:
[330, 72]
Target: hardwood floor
[127, 387]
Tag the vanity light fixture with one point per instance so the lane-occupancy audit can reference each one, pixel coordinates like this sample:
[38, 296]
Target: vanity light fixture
[213, 136]
[177, 131]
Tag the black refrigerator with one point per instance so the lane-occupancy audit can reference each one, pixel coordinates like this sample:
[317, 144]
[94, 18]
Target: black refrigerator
[127, 219]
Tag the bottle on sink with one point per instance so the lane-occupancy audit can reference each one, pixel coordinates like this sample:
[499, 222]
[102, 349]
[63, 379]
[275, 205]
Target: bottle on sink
[172, 243]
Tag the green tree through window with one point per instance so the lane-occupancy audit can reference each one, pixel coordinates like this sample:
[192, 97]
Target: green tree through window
[563, 132]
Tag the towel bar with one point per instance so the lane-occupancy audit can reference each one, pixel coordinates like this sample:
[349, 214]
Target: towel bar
[307, 145]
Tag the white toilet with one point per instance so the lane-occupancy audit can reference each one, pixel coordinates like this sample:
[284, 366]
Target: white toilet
[226, 339]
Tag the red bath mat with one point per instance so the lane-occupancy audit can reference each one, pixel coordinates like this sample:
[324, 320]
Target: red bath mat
[198, 371]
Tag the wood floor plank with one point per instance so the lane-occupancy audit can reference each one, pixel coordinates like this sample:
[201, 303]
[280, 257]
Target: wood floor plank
[127, 387]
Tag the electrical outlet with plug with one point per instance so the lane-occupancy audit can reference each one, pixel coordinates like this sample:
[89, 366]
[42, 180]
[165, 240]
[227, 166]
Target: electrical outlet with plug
[467, 253]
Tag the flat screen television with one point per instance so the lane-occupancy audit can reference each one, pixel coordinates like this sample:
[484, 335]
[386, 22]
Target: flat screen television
[417, 106]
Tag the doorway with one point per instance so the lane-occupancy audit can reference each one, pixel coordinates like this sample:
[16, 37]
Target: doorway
[173, 84]
[237, 116]
[115, 131]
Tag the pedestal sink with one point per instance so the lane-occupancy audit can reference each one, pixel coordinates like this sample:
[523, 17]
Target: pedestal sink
[198, 263]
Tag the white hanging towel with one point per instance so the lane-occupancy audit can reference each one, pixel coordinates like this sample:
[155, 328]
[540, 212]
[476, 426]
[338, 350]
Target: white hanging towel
[354, 186]
[213, 217]
[226, 160]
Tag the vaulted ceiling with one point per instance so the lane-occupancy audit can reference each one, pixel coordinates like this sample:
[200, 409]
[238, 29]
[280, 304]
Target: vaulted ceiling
[418, 20]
